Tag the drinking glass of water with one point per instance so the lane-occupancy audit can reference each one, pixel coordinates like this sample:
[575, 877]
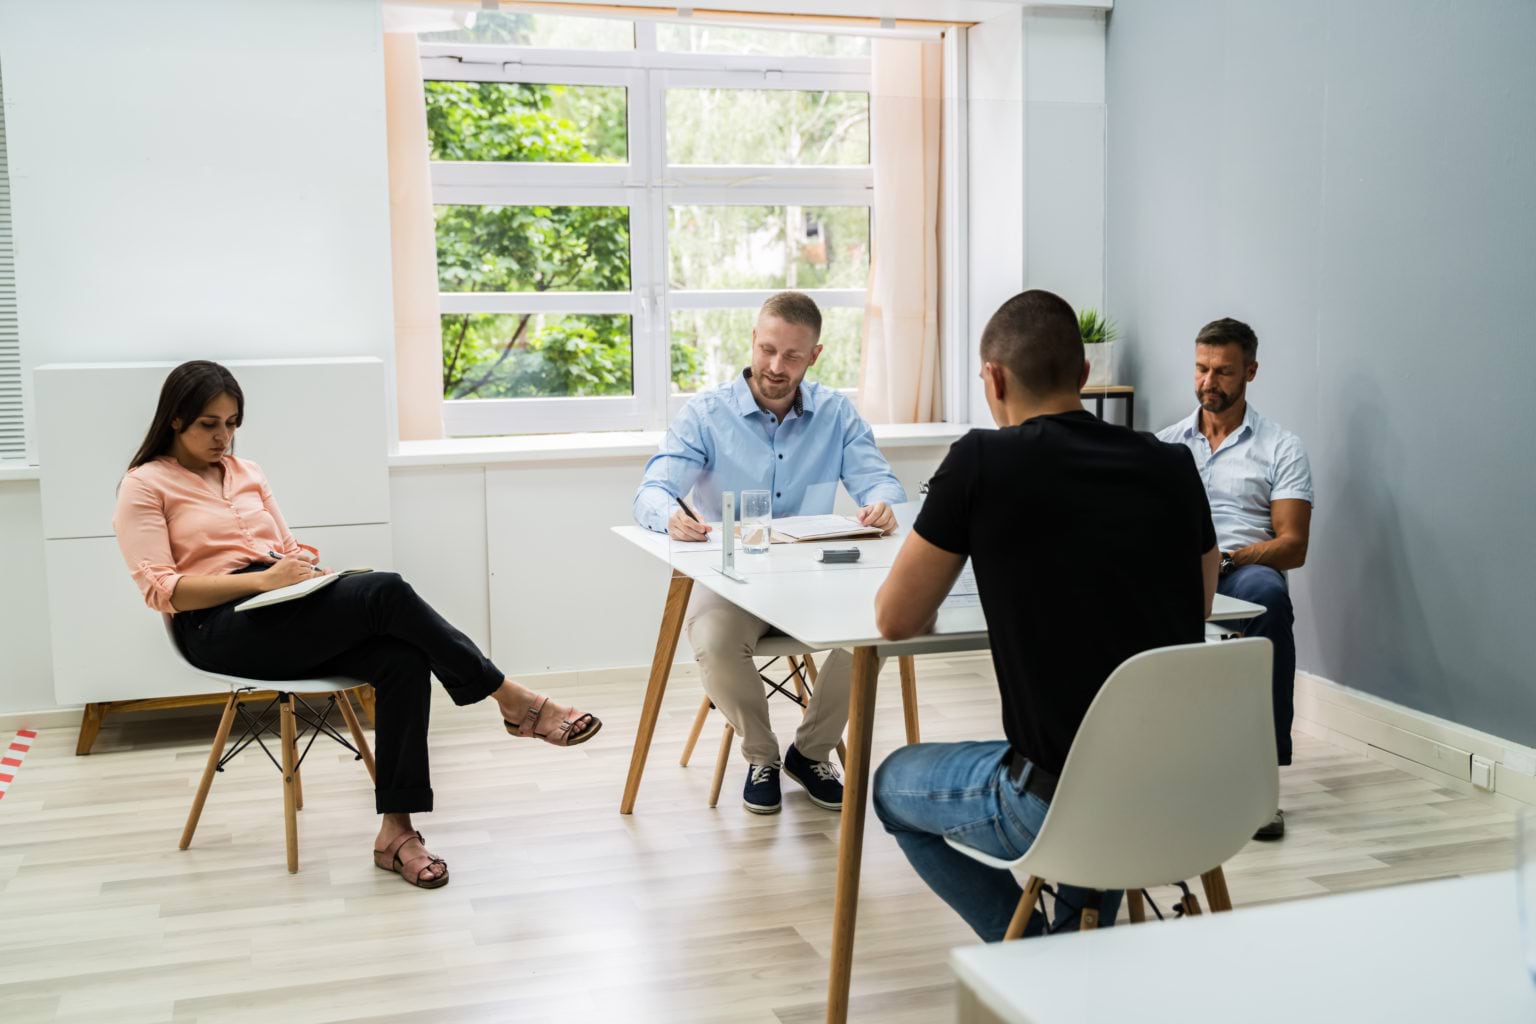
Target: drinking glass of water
[756, 521]
[1525, 876]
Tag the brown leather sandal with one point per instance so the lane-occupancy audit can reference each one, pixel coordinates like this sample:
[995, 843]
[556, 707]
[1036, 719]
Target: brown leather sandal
[418, 871]
[564, 734]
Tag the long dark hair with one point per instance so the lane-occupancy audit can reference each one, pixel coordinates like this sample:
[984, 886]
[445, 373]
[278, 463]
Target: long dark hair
[184, 395]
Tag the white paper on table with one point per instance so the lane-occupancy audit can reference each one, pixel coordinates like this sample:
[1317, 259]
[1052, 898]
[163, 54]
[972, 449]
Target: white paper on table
[800, 528]
[964, 593]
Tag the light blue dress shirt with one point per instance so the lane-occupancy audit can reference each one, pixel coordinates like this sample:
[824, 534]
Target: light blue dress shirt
[1256, 464]
[724, 441]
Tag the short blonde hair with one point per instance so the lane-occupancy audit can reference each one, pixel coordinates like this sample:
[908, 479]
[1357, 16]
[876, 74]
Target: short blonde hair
[793, 308]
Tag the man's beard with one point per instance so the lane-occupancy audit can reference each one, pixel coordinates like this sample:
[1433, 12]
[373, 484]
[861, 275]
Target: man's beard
[1218, 401]
[773, 391]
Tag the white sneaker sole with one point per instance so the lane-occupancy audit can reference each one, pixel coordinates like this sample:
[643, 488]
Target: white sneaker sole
[823, 804]
[761, 809]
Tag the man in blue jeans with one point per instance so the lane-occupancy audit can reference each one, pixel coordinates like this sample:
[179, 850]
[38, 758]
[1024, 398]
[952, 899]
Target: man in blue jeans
[1260, 489]
[1055, 510]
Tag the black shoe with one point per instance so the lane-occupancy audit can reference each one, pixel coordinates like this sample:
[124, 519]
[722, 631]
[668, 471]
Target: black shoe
[762, 794]
[1274, 830]
[819, 778]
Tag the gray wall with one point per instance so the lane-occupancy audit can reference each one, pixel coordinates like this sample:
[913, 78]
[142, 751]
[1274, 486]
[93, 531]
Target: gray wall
[1358, 181]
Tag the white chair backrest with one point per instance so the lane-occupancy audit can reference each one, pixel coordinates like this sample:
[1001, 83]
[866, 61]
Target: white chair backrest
[1170, 774]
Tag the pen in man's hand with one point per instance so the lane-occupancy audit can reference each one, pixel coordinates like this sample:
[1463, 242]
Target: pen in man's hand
[688, 511]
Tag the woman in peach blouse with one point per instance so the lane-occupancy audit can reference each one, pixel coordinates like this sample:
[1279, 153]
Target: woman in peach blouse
[200, 532]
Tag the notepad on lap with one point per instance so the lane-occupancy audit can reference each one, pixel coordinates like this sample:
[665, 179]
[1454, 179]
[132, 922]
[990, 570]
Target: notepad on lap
[792, 529]
[303, 588]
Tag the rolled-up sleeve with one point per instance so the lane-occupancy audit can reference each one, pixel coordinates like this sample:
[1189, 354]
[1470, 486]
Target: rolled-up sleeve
[143, 538]
[286, 544]
[672, 471]
[1292, 472]
[866, 473]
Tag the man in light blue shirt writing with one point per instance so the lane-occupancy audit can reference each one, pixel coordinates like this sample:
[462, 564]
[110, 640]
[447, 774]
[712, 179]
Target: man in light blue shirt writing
[768, 430]
[1260, 489]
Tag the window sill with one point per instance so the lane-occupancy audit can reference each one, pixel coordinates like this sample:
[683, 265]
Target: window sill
[638, 444]
[15, 472]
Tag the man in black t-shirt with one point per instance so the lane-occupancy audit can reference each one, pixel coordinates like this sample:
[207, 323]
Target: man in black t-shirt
[1090, 543]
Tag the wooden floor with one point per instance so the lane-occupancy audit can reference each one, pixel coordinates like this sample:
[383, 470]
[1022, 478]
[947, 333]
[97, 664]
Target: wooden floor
[559, 908]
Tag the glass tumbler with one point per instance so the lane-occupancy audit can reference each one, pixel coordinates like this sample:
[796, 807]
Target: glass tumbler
[756, 522]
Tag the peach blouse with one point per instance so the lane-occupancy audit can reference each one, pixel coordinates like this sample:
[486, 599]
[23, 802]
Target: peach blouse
[171, 523]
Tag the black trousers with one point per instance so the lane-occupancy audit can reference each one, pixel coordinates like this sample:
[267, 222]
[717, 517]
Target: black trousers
[371, 627]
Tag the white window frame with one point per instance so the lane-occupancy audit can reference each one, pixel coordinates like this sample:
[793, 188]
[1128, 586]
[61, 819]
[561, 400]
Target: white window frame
[647, 185]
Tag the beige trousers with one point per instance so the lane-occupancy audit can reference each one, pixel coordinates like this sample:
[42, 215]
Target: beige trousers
[723, 638]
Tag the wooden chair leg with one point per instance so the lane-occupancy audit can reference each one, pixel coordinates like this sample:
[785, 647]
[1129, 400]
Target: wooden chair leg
[365, 698]
[290, 771]
[358, 739]
[90, 727]
[220, 737]
[693, 734]
[909, 696]
[726, 742]
[810, 667]
[298, 776]
[1088, 920]
[842, 754]
[1026, 907]
[1216, 894]
[1192, 905]
[1138, 906]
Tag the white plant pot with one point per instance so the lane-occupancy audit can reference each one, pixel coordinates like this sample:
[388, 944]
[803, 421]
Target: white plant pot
[1103, 363]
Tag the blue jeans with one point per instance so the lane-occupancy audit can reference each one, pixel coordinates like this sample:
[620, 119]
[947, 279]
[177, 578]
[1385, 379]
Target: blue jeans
[1263, 585]
[962, 790]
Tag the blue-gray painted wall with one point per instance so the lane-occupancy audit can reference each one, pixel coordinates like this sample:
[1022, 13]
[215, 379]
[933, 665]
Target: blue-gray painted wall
[1357, 180]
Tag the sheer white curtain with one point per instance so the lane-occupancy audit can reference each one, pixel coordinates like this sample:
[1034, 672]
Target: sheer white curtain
[413, 243]
[899, 368]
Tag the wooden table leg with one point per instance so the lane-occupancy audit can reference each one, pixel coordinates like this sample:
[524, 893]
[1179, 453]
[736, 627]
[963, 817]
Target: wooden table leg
[909, 696]
[850, 838]
[661, 666]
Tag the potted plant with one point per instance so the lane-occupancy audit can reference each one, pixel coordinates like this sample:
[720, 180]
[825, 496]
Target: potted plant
[1101, 338]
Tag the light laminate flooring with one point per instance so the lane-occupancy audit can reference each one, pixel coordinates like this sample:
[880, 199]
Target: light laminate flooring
[560, 909]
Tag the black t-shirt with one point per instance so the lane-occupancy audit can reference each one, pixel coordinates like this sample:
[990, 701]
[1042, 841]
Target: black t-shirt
[1086, 539]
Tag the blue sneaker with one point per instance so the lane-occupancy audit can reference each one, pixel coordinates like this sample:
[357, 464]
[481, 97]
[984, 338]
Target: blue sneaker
[819, 778]
[762, 795]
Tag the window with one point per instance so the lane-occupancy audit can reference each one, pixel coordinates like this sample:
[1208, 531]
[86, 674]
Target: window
[615, 200]
[13, 442]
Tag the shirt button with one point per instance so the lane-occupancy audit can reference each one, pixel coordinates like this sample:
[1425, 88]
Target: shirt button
[781, 455]
[776, 494]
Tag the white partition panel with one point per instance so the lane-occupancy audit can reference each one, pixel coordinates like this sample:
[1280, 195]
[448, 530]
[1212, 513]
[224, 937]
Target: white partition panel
[108, 645]
[317, 427]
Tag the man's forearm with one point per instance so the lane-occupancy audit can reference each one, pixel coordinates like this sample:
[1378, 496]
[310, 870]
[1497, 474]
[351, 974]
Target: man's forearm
[1282, 553]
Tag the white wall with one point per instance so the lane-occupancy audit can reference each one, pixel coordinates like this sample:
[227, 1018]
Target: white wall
[198, 180]
[26, 660]
[1036, 162]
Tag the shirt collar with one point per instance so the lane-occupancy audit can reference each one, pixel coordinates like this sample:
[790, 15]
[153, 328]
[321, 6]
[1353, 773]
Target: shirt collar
[746, 402]
[1191, 426]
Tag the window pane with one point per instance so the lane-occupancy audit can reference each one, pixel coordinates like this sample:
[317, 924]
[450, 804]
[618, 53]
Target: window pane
[716, 39]
[533, 248]
[536, 355]
[711, 346]
[545, 30]
[525, 122]
[715, 247]
[778, 127]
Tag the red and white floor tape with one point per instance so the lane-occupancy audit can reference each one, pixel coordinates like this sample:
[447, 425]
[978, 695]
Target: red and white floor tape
[12, 756]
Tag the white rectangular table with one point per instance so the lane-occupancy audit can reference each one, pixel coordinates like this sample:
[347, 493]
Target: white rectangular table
[1438, 951]
[823, 607]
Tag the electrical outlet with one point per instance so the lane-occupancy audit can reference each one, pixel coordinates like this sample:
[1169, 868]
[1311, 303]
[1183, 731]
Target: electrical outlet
[1482, 772]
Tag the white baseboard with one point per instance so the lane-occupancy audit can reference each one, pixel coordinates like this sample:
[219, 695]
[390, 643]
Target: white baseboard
[1419, 743]
[52, 718]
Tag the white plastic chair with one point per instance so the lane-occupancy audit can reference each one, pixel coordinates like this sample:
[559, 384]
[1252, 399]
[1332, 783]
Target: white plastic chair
[288, 700]
[1171, 772]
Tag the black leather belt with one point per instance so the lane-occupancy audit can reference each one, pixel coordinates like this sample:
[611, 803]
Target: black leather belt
[1041, 782]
